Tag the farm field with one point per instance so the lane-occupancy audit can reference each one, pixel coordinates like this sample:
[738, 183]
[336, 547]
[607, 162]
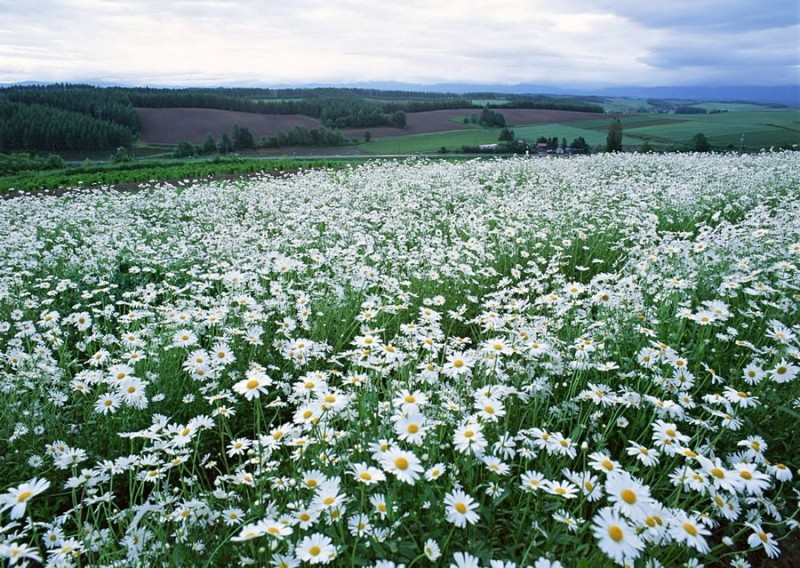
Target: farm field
[579, 362]
[761, 128]
[171, 125]
[429, 131]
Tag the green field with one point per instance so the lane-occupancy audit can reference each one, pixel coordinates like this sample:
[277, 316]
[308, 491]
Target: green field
[761, 129]
[433, 142]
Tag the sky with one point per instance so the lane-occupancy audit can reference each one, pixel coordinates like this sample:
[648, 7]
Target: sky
[565, 43]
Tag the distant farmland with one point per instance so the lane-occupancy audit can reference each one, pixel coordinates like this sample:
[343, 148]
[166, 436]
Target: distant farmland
[429, 131]
[172, 125]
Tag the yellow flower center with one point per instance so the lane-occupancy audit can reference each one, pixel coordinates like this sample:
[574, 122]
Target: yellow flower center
[690, 528]
[314, 550]
[24, 496]
[460, 507]
[629, 496]
[401, 463]
[615, 533]
[252, 384]
[718, 473]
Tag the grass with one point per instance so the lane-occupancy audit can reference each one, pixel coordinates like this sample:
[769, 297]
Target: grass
[142, 171]
[431, 143]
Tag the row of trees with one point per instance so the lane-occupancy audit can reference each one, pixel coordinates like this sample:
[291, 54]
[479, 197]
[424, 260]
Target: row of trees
[36, 127]
[112, 105]
[243, 139]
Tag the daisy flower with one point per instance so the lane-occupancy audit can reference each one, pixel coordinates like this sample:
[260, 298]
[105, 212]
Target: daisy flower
[461, 508]
[764, 539]
[367, 474]
[249, 532]
[403, 464]
[647, 457]
[465, 560]
[253, 385]
[17, 498]
[411, 428]
[469, 438]
[431, 550]
[689, 530]
[629, 496]
[316, 549]
[616, 538]
[563, 489]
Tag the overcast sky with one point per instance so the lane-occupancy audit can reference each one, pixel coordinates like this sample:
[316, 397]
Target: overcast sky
[546, 42]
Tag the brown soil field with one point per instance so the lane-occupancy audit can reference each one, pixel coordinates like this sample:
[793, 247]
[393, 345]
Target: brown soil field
[171, 125]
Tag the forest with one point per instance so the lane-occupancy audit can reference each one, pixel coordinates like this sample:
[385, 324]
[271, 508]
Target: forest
[67, 117]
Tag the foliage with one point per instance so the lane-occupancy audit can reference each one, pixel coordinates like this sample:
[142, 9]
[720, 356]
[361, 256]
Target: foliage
[580, 145]
[302, 135]
[22, 161]
[89, 174]
[700, 143]
[35, 127]
[614, 136]
[491, 119]
[184, 149]
[242, 138]
[686, 109]
[105, 104]
[506, 135]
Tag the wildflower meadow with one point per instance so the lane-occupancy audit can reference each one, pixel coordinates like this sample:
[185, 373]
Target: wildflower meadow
[521, 362]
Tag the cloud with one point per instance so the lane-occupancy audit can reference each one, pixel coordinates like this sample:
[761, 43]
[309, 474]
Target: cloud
[601, 42]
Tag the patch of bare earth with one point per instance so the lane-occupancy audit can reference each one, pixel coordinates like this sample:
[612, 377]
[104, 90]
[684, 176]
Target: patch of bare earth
[172, 125]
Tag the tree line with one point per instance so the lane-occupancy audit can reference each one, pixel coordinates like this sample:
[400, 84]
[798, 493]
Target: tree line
[112, 104]
[37, 127]
[243, 139]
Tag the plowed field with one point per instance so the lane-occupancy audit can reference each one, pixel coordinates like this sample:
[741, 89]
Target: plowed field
[171, 125]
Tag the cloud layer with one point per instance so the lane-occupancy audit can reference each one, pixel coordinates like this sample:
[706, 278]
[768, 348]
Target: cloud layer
[576, 43]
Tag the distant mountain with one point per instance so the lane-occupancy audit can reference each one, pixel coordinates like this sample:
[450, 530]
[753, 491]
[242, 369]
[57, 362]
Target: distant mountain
[785, 94]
